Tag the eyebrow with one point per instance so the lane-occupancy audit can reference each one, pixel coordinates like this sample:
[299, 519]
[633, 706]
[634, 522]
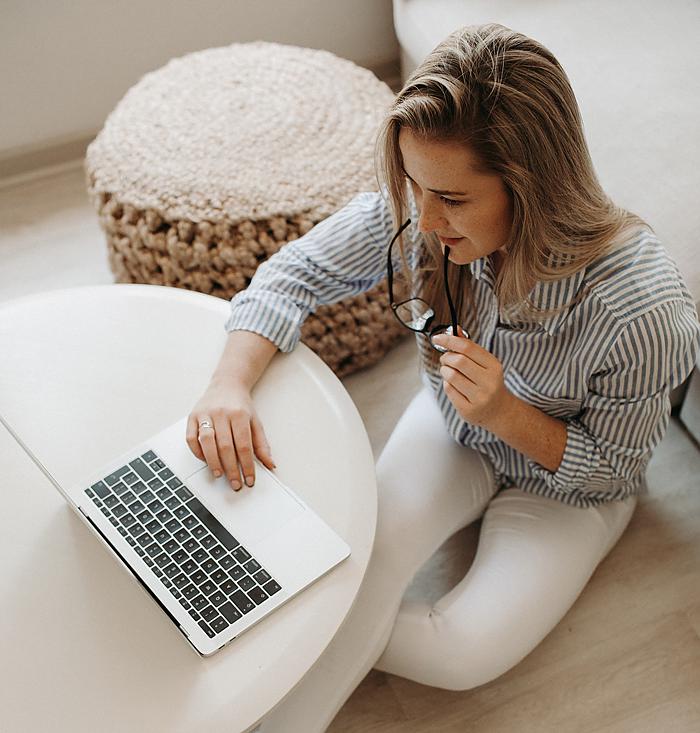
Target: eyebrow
[435, 190]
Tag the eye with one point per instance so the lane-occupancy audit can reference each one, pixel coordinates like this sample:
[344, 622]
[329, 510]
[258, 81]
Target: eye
[451, 202]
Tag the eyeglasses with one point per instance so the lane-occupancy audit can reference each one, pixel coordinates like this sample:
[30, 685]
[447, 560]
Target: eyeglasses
[415, 313]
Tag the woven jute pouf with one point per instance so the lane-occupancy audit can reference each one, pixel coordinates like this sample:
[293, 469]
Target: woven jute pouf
[210, 164]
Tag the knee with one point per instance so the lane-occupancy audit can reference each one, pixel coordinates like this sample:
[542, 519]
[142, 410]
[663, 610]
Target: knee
[473, 654]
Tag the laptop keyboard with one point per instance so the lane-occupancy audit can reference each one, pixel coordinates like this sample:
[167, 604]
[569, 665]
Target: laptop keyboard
[211, 575]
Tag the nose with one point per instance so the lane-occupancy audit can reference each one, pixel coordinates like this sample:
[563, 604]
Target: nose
[430, 217]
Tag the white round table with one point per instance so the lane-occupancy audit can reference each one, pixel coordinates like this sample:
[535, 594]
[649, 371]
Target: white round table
[85, 373]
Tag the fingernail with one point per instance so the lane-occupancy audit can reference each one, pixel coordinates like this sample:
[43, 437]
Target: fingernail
[249, 480]
[217, 474]
[235, 485]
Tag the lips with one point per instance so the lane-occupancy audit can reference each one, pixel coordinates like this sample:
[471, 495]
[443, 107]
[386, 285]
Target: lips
[450, 241]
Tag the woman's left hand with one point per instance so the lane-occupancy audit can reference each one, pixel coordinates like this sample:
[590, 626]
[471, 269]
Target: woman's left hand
[473, 380]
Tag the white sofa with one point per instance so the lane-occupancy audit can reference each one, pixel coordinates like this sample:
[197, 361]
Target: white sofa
[634, 67]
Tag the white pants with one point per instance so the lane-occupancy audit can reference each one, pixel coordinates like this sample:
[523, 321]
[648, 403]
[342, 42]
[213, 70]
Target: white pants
[534, 557]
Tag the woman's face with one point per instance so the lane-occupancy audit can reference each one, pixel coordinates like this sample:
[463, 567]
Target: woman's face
[469, 210]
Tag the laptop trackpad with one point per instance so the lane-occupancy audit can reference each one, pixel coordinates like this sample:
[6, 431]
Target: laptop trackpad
[251, 514]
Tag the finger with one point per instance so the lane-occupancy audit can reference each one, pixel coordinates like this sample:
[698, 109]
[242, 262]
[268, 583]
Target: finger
[244, 446]
[458, 381]
[191, 437]
[464, 364]
[226, 449]
[464, 346]
[260, 443]
[207, 441]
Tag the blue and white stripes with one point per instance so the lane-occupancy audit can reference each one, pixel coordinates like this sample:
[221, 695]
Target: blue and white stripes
[605, 365]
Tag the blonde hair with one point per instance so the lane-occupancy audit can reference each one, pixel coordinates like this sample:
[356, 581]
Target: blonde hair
[508, 99]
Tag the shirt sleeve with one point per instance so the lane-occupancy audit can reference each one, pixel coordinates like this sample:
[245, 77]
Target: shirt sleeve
[627, 409]
[342, 256]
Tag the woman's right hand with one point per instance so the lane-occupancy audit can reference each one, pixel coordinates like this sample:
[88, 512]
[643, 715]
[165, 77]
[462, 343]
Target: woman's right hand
[237, 433]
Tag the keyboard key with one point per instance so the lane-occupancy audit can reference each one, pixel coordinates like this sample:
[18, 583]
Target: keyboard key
[149, 456]
[208, 588]
[142, 469]
[208, 541]
[189, 521]
[180, 556]
[209, 612]
[258, 595]
[217, 598]
[199, 577]
[252, 566]
[164, 493]
[136, 507]
[140, 488]
[181, 512]
[114, 477]
[164, 515]
[200, 555]
[172, 502]
[161, 536]
[246, 583]
[190, 545]
[144, 517]
[111, 501]
[209, 566]
[158, 464]
[230, 612]
[119, 488]
[189, 566]
[130, 478]
[155, 483]
[212, 523]
[228, 586]
[171, 547]
[190, 591]
[182, 535]
[219, 576]
[153, 526]
[237, 573]
[219, 625]
[135, 530]
[242, 602]
[217, 551]
[145, 539]
[161, 560]
[206, 629]
[226, 562]
[262, 577]
[128, 497]
[172, 526]
[100, 489]
[199, 532]
[199, 602]
[271, 588]
[166, 474]
[128, 520]
[175, 483]
[171, 570]
[155, 506]
[147, 496]
[181, 580]
[119, 511]
[184, 493]
[241, 554]
[153, 550]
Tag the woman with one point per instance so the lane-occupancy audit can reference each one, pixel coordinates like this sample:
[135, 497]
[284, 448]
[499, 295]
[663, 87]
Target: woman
[576, 327]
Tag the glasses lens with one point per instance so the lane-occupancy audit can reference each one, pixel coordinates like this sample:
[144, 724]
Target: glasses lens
[414, 313]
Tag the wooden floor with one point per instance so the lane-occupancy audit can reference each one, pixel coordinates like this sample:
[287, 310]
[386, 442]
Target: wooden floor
[625, 659]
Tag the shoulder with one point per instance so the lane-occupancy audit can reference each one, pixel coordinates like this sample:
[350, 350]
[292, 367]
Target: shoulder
[636, 276]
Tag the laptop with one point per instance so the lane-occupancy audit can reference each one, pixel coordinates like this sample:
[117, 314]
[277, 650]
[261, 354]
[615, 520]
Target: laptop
[215, 560]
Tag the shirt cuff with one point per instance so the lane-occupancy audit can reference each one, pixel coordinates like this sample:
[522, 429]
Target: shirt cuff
[269, 315]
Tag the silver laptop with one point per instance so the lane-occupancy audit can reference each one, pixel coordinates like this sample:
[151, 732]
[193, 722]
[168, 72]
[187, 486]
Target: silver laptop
[215, 560]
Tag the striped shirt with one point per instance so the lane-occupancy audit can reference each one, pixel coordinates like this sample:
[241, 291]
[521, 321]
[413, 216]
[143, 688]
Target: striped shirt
[605, 365]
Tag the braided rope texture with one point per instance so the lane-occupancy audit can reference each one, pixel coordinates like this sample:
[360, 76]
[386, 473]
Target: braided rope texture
[210, 164]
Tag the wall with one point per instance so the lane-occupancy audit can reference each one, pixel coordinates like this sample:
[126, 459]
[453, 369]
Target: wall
[64, 65]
